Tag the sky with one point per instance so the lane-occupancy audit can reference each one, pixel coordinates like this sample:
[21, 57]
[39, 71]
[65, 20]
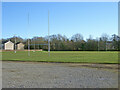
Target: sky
[65, 18]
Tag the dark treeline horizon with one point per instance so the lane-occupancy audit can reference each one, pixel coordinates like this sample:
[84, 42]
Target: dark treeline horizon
[60, 42]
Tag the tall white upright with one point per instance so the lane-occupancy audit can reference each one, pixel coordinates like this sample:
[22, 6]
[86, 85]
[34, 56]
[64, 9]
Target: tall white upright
[15, 42]
[98, 44]
[48, 35]
[28, 38]
[106, 45]
[34, 44]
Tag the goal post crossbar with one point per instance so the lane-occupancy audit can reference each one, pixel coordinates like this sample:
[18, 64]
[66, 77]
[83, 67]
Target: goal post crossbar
[38, 44]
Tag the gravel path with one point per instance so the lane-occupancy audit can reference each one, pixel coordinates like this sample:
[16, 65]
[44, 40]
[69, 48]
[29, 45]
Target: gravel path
[56, 75]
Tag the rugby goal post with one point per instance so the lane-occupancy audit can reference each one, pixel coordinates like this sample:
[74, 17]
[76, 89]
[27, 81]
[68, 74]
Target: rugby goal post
[40, 44]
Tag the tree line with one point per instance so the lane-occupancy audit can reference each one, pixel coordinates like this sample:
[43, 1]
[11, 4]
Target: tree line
[75, 43]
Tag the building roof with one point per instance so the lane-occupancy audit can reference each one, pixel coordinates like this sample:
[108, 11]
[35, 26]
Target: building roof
[9, 42]
[19, 43]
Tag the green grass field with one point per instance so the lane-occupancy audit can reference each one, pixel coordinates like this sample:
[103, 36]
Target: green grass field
[63, 56]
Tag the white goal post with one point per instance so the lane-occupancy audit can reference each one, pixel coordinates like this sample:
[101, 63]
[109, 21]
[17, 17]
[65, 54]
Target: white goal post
[40, 44]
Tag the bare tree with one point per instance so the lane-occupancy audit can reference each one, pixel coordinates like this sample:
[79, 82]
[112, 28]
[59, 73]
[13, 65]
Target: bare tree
[77, 37]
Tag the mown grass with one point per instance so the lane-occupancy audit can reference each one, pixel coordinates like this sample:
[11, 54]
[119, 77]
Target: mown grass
[63, 56]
